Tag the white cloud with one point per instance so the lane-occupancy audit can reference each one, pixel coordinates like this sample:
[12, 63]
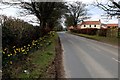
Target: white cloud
[84, 1]
[9, 12]
[96, 12]
[31, 19]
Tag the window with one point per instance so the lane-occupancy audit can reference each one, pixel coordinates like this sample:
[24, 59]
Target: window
[84, 25]
[94, 25]
[90, 25]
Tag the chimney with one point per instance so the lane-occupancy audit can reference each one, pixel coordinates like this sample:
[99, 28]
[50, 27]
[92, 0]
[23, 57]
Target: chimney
[99, 20]
[100, 23]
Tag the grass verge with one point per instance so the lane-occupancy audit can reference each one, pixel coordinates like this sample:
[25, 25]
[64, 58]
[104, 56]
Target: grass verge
[37, 63]
[109, 40]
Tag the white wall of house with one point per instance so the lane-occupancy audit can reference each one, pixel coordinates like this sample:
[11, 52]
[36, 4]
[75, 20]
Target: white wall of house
[92, 26]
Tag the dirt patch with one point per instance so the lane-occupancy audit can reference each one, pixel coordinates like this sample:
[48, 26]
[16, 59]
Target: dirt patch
[56, 69]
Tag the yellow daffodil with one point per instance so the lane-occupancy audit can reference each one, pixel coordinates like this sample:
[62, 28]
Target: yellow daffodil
[15, 51]
[5, 49]
[25, 53]
[27, 48]
[13, 46]
[3, 52]
[10, 62]
[23, 50]
[33, 44]
[8, 55]
[19, 49]
[36, 41]
[28, 44]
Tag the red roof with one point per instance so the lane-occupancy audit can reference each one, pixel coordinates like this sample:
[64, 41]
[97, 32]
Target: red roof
[112, 25]
[90, 23]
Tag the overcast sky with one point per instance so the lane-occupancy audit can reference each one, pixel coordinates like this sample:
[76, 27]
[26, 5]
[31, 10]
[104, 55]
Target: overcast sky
[94, 11]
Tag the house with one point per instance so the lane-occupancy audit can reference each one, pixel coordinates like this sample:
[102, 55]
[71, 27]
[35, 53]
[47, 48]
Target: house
[112, 25]
[91, 25]
[96, 28]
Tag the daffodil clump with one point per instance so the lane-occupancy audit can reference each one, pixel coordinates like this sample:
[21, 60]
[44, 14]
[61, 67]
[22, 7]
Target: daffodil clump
[52, 33]
[11, 56]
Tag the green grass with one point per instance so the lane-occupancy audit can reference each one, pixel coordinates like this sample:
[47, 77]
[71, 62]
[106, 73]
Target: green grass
[109, 40]
[39, 61]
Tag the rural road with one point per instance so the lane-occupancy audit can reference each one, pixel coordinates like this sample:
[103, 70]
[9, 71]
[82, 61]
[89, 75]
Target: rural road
[85, 58]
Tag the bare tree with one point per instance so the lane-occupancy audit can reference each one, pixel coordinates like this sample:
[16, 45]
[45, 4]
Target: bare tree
[111, 7]
[46, 12]
[76, 13]
[69, 20]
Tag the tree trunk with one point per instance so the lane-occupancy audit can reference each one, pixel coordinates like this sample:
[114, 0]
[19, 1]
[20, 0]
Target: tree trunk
[42, 29]
[75, 23]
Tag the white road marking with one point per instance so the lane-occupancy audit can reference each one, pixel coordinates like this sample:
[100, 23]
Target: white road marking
[116, 60]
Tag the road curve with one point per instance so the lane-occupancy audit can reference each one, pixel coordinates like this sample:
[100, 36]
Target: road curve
[85, 58]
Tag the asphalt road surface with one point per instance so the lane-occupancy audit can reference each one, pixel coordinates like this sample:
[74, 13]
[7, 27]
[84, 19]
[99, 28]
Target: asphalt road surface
[86, 58]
